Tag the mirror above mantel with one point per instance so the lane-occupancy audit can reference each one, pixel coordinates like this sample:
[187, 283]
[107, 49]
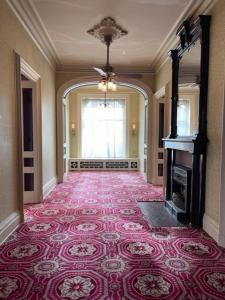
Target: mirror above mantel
[188, 91]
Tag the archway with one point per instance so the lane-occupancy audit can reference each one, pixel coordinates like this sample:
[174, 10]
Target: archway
[87, 81]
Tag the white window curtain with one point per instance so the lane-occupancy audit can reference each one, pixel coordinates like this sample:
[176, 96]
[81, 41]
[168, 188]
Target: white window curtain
[103, 128]
[183, 117]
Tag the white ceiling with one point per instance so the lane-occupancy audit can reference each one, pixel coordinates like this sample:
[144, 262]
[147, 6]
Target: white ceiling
[148, 23]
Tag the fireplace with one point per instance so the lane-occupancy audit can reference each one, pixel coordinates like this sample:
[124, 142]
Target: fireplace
[179, 205]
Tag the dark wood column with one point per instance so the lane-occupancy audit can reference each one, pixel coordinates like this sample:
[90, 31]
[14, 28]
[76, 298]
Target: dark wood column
[173, 132]
[175, 69]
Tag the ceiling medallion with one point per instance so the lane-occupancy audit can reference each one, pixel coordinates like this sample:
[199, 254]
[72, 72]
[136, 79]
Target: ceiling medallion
[107, 26]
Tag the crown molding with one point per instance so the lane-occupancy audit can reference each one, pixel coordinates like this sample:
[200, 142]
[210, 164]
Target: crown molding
[28, 71]
[89, 69]
[193, 9]
[28, 16]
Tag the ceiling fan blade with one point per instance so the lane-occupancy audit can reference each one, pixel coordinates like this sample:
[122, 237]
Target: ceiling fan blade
[100, 71]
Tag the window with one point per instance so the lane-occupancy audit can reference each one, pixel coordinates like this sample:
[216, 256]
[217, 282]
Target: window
[103, 128]
[183, 117]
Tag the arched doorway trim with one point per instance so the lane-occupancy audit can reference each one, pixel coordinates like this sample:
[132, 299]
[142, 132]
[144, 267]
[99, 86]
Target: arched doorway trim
[126, 84]
[80, 82]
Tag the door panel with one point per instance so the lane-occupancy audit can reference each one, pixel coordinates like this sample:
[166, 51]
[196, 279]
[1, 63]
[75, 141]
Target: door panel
[160, 108]
[29, 141]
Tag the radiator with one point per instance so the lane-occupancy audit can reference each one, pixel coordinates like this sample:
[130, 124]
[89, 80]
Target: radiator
[103, 164]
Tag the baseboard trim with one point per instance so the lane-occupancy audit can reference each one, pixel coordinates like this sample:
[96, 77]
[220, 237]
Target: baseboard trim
[9, 225]
[222, 240]
[49, 186]
[211, 227]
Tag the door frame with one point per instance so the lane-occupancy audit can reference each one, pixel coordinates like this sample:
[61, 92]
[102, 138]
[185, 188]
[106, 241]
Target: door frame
[159, 97]
[162, 93]
[23, 68]
[67, 86]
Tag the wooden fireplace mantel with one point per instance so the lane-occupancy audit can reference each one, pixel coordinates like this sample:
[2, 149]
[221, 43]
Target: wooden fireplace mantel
[192, 144]
[182, 144]
[189, 32]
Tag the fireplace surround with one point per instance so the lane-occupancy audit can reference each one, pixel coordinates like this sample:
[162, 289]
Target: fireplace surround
[179, 205]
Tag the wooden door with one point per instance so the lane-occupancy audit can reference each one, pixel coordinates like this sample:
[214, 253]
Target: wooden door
[29, 141]
[160, 134]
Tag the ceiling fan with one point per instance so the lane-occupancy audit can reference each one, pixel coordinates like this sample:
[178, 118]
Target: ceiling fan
[107, 74]
[107, 31]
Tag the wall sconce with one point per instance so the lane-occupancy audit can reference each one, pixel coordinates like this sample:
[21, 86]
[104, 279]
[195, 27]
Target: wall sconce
[73, 129]
[133, 127]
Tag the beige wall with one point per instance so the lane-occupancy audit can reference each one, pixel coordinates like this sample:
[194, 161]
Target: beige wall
[132, 114]
[215, 112]
[163, 76]
[14, 38]
[163, 80]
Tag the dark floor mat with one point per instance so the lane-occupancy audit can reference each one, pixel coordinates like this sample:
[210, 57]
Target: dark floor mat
[158, 215]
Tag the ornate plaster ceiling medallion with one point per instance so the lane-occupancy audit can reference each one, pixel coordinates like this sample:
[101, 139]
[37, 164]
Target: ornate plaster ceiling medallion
[107, 27]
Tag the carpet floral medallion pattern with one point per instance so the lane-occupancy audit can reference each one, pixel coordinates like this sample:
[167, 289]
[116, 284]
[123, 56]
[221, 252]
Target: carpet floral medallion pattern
[151, 285]
[89, 240]
[76, 287]
[7, 286]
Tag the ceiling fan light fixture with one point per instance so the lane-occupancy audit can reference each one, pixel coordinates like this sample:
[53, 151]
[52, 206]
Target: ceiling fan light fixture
[104, 88]
[107, 84]
[107, 31]
[114, 87]
[110, 85]
[100, 85]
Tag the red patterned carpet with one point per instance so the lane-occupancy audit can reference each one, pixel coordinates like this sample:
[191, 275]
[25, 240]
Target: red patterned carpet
[89, 240]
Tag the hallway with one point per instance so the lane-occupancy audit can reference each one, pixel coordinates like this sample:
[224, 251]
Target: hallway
[89, 240]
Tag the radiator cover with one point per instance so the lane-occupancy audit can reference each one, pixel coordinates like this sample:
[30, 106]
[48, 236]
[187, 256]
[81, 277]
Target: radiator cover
[103, 164]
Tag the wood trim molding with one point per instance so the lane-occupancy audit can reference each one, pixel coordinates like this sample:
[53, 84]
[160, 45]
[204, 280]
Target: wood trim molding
[19, 136]
[222, 187]
[221, 241]
[159, 97]
[28, 16]
[49, 186]
[9, 225]
[194, 9]
[160, 93]
[26, 70]
[211, 227]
